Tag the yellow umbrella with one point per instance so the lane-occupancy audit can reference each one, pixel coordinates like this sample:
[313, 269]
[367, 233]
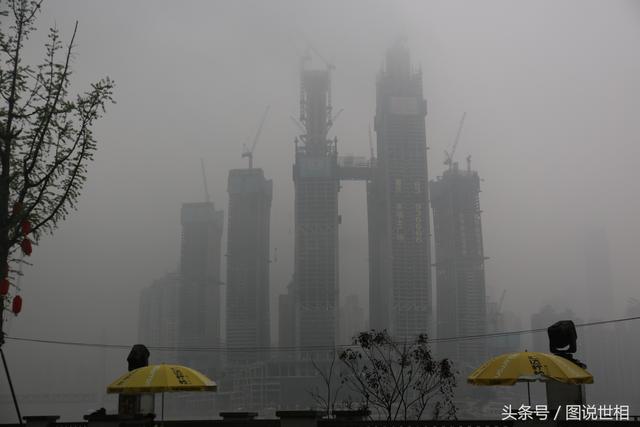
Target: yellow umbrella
[509, 368]
[161, 378]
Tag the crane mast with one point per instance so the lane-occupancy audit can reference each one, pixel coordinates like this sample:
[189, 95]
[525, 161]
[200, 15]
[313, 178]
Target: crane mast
[249, 152]
[204, 181]
[449, 156]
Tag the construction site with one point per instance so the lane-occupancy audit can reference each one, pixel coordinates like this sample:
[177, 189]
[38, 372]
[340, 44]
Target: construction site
[399, 244]
[397, 207]
[398, 227]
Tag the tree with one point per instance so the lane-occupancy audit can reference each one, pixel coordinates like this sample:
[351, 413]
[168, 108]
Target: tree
[399, 380]
[46, 139]
[327, 397]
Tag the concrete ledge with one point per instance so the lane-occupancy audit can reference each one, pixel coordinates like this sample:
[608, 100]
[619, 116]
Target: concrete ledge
[238, 415]
[351, 414]
[307, 418]
[40, 420]
[306, 414]
[112, 420]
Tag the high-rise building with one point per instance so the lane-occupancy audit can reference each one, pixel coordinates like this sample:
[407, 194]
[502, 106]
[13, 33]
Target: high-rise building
[199, 300]
[248, 322]
[397, 195]
[286, 318]
[316, 181]
[158, 315]
[200, 247]
[351, 319]
[459, 255]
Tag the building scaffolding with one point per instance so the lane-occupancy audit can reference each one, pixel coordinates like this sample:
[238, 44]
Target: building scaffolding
[459, 253]
[316, 181]
[397, 204]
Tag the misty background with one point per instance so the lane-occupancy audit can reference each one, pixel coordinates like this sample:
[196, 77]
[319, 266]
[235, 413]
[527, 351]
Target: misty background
[552, 95]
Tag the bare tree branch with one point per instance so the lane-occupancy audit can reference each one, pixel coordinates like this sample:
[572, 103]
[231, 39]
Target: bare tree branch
[398, 379]
[46, 140]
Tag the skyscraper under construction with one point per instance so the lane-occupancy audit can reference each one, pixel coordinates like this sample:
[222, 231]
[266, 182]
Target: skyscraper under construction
[316, 181]
[459, 256]
[199, 300]
[397, 195]
[248, 322]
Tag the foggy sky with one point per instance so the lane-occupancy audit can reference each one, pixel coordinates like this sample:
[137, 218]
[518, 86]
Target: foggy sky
[552, 95]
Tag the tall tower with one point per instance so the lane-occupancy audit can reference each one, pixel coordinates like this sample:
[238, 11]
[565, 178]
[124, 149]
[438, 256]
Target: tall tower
[200, 245]
[158, 314]
[316, 181]
[459, 257]
[199, 308]
[399, 248]
[248, 322]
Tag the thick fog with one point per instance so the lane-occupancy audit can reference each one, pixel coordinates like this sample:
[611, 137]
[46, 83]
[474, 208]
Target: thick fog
[552, 96]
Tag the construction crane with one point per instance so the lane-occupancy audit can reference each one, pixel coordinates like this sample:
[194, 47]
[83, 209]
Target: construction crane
[307, 57]
[299, 125]
[311, 47]
[448, 158]
[249, 153]
[204, 180]
[334, 118]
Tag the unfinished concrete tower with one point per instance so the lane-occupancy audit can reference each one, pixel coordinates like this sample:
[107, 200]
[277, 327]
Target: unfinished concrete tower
[316, 180]
[248, 324]
[399, 249]
[200, 308]
[459, 257]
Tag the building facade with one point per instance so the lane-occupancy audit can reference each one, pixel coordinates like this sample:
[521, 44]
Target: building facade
[316, 181]
[286, 318]
[397, 195]
[199, 299]
[159, 315]
[459, 255]
[248, 319]
[352, 320]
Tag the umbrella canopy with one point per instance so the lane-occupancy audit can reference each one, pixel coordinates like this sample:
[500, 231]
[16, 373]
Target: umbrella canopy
[509, 368]
[161, 378]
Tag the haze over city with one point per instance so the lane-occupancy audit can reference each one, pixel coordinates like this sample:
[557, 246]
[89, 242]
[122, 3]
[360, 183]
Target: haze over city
[551, 95]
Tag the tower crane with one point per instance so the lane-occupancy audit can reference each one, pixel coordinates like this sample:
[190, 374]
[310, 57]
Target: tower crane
[249, 153]
[204, 181]
[335, 117]
[311, 47]
[330, 67]
[448, 158]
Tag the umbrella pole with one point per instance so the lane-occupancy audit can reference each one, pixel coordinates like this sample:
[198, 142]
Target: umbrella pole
[529, 393]
[163, 408]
